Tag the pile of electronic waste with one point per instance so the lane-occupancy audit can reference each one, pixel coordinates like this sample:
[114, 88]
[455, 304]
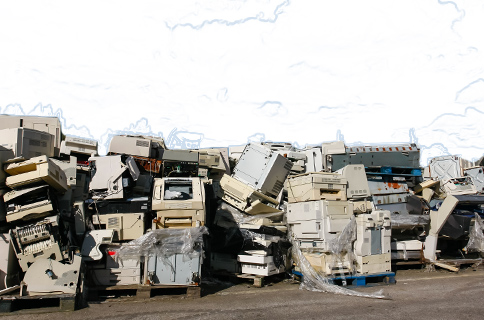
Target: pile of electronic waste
[147, 215]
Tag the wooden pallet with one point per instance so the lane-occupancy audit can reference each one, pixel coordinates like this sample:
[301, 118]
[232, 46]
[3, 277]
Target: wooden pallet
[143, 291]
[455, 264]
[38, 304]
[257, 281]
[15, 299]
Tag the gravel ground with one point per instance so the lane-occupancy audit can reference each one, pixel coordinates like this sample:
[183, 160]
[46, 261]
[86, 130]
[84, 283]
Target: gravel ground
[417, 294]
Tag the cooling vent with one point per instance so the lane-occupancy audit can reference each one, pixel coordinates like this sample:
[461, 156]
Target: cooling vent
[81, 140]
[288, 165]
[277, 186]
[33, 142]
[142, 143]
[114, 223]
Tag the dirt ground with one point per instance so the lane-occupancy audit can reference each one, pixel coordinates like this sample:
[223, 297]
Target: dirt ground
[439, 294]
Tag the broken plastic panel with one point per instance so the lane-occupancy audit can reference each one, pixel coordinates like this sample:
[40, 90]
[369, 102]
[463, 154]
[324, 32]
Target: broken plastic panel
[37, 170]
[244, 197]
[239, 217]
[46, 276]
[459, 186]
[93, 240]
[108, 178]
[35, 241]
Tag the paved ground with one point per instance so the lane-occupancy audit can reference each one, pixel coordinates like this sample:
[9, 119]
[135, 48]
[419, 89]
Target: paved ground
[417, 294]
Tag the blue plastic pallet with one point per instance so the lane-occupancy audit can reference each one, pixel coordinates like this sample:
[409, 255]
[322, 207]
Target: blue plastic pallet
[361, 280]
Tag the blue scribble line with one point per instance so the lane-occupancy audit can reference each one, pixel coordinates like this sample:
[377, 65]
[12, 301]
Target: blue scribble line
[256, 137]
[177, 139]
[327, 108]
[133, 129]
[311, 67]
[462, 12]
[260, 17]
[181, 139]
[272, 113]
[412, 137]
[340, 136]
[50, 111]
[459, 136]
[453, 115]
[457, 95]
[443, 151]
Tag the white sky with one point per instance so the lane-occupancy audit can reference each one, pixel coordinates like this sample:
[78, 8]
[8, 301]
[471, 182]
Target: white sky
[223, 71]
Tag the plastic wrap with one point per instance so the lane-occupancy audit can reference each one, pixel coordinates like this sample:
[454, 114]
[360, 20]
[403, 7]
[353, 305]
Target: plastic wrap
[344, 242]
[340, 258]
[408, 221]
[405, 254]
[275, 245]
[250, 235]
[314, 281]
[165, 242]
[341, 248]
[476, 236]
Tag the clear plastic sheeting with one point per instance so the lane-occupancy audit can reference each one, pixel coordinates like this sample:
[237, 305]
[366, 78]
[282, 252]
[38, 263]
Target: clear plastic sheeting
[341, 253]
[476, 236]
[274, 244]
[314, 281]
[405, 254]
[344, 242]
[254, 236]
[165, 242]
[408, 221]
[340, 258]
